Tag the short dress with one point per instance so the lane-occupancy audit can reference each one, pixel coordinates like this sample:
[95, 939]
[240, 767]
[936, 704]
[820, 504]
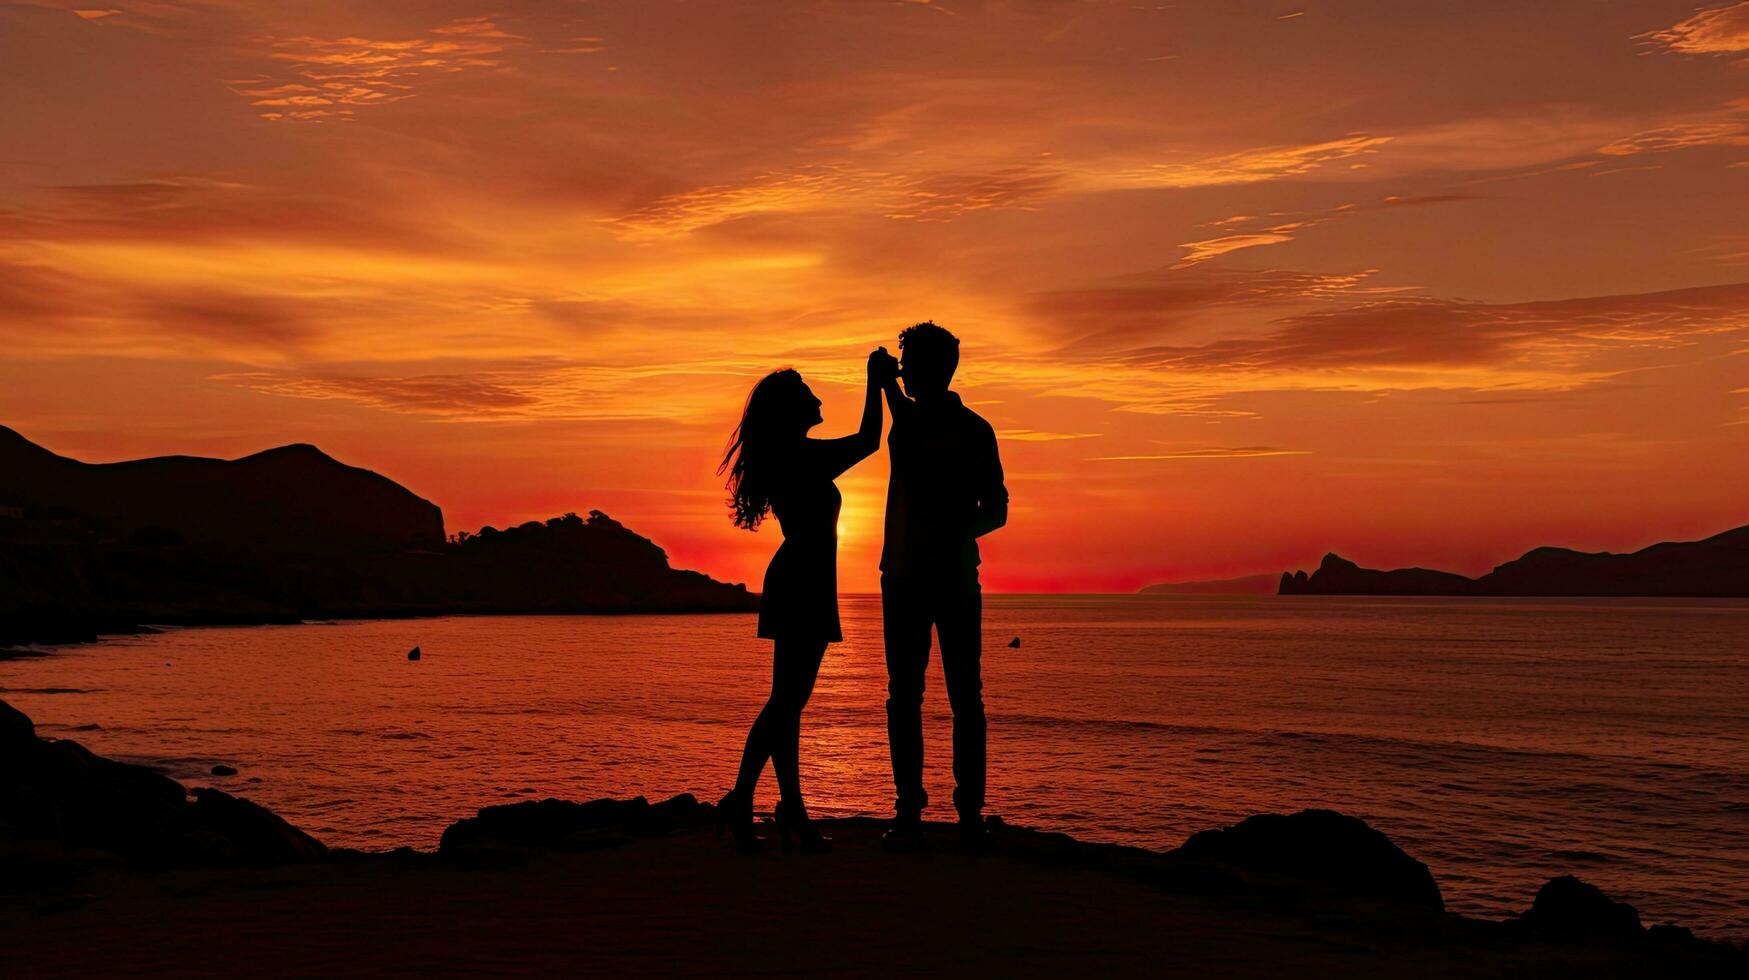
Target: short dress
[800, 598]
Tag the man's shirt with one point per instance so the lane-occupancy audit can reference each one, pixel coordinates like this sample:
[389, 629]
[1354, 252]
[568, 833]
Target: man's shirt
[945, 490]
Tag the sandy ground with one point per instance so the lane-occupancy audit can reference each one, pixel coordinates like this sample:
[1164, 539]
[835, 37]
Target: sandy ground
[688, 904]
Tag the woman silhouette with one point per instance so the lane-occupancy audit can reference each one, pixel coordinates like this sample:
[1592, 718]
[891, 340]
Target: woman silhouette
[774, 467]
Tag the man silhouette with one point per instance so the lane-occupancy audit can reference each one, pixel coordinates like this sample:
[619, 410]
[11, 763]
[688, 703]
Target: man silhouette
[945, 492]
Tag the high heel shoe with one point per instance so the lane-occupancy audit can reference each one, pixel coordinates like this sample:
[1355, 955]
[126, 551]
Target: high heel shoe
[735, 813]
[792, 818]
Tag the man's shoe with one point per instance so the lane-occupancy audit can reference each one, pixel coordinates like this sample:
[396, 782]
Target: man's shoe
[904, 836]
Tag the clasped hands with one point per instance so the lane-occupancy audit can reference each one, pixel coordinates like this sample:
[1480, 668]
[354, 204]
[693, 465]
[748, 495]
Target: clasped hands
[882, 366]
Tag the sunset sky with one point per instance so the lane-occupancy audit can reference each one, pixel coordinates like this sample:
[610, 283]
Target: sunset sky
[1237, 282]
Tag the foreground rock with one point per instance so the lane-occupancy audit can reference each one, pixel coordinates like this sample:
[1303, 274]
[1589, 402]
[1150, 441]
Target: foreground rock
[1323, 846]
[565, 825]
[60, 795]
[1314, 862]
[1570, 907]
[628, 886]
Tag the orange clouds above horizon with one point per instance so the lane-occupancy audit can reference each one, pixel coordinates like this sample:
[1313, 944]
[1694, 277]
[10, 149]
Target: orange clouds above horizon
[1237, 283]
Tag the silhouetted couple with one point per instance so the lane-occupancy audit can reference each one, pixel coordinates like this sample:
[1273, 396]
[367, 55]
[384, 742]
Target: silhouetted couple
[945, 492]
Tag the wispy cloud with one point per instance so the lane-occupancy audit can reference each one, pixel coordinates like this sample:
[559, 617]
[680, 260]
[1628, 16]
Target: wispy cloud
[1717, 30]
[334, 76]
[1210, 248]
[1247, 166]
[1287, 230]
[945, 195]
[1134, 309]
[1431, 333]
[1240, 452]
[1033, 435]
[472, 396]
[940, 197]
[1729, 127]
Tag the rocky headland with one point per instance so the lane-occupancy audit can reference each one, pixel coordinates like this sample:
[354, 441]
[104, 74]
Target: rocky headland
[292, 534]
[108, 868]
[1716, 567]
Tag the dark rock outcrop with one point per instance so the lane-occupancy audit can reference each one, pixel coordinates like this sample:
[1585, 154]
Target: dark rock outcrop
[1568, 909]
[564, 824]
[252, 831]
[1322, 846]
[1339, 576]
[1567, 906]
[16, 730]
[1716, 567]
[290, 535]
[60, 794]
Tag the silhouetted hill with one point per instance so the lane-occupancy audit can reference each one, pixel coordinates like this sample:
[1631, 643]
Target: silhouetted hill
[293, 498]
[291, 534]
[1245, 585]
[1716, 567]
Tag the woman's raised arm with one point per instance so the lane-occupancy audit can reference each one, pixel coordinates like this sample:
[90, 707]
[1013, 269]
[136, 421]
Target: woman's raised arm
[834, 456]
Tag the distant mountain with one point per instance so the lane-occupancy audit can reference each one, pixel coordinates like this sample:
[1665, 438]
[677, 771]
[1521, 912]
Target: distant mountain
[294, 498]
[1246, 585]
[1715, 567]
[286, 535]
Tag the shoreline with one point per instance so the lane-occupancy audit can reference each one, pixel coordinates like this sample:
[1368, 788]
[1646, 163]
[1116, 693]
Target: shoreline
[95, 630]
[20, 641]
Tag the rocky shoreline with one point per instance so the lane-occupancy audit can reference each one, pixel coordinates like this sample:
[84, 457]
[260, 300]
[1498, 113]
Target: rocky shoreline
[89, 845]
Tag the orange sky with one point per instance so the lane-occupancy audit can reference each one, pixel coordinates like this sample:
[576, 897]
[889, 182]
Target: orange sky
[1237, 282]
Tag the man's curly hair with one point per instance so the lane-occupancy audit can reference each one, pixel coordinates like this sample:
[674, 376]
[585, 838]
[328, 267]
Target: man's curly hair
[932, 342]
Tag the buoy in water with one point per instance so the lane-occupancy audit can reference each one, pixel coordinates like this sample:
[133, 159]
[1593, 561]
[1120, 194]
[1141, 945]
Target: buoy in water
[1014, 642]
[413, 654]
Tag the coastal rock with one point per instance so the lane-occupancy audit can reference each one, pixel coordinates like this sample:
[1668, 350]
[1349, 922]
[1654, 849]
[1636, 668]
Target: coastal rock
[1321, 845]
[223, 770]
[16, 729]
[63, 793]
[559, 823]
[253, 831]
[1337, 575]
[1570, 907]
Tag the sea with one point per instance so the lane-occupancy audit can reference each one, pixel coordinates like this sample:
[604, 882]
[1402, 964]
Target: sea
[1500, 741]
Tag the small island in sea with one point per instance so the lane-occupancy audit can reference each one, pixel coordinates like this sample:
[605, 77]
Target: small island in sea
[114, 868]
[292, 534]
[1716, 567]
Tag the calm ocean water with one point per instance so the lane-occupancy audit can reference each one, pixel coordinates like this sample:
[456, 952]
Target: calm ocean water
[1500, 741]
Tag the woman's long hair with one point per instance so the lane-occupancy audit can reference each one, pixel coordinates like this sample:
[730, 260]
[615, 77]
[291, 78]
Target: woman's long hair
[755, 450]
